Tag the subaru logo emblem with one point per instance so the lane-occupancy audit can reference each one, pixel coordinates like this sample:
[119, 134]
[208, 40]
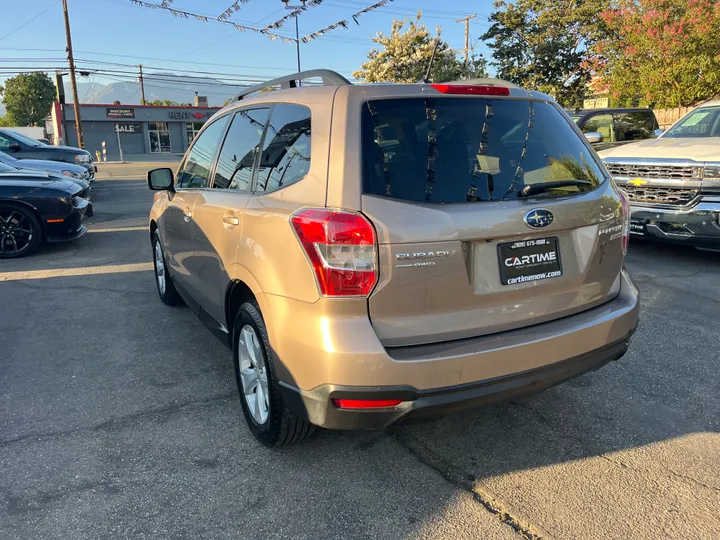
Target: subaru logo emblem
[538, 218]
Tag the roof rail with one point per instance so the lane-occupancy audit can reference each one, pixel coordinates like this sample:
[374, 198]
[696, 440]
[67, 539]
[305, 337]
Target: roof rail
[329, 78]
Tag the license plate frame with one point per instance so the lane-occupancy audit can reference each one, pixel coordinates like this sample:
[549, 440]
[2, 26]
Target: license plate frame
[543, 260]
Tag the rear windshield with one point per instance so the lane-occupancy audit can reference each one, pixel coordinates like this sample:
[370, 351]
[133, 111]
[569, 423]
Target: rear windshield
[457, 150]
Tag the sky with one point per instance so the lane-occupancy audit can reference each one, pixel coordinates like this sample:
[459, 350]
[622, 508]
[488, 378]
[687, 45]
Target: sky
[118, 32]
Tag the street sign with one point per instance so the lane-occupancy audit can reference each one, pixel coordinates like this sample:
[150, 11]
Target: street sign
[597, 103]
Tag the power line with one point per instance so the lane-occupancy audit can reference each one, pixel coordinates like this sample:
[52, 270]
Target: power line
[31, 20]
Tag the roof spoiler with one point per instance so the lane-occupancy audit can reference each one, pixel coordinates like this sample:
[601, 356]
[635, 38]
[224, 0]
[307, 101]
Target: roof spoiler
[329, 78]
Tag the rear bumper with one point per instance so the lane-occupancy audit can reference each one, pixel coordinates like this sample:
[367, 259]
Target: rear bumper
[343, 359]
[317, 405]
[697, 226]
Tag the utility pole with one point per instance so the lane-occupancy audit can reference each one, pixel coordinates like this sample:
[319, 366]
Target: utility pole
[466, 20]
[142, 86]
[73, 81]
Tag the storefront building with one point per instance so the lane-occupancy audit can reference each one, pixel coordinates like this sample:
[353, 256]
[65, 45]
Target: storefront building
[144, 132]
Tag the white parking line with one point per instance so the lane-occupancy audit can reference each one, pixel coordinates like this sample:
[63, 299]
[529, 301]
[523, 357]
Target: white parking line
[120, 229]
[71, 272]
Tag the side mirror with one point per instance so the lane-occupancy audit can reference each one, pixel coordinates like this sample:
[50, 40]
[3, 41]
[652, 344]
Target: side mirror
[14, 147]
[160, 179]
[658, 132]
[594, 137]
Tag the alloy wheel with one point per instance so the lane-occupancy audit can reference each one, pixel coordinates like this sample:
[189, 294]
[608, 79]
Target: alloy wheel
[16, 232]
[253, 374]
[159, 267]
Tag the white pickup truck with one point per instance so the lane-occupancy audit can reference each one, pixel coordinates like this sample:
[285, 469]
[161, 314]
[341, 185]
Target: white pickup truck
[673, 181]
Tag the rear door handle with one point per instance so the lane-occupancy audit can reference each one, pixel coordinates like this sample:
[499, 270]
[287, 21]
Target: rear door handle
[231, 220]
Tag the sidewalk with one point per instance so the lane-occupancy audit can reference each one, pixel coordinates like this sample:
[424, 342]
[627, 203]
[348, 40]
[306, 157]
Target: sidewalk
[130, 170]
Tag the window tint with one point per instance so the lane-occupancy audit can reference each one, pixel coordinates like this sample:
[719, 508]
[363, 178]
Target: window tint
[4, 143]
[285, 158]
[702, 122]
[196, 169]
[456, 150]
[235, 166]
[634, 126]
[601, 123]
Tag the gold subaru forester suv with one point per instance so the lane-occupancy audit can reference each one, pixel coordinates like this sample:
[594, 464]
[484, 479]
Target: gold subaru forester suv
[376, 253]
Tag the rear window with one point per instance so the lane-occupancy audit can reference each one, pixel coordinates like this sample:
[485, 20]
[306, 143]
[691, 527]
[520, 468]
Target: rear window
[458, 150]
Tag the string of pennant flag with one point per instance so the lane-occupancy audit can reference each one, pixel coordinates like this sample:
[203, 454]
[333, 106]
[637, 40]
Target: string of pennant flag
[225, 16]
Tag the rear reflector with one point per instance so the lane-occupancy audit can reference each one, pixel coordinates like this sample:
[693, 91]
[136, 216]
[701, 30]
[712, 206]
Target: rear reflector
[55, 220]
[475, 90]
[366, 403]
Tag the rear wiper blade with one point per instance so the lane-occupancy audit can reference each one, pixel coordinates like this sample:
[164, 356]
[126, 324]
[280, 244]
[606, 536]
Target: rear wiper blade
[534, 189]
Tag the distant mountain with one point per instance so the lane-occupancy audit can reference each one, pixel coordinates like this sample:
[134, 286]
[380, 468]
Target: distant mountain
[172, 87]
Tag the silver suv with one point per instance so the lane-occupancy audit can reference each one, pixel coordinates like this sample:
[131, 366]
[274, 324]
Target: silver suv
[372, 253]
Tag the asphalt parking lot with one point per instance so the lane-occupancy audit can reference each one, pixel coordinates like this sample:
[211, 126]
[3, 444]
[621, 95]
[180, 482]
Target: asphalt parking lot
[119, 419]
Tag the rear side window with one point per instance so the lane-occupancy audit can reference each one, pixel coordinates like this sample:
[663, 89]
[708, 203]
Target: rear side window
[237, 157]
[285, 157]
[634, 126]
[458, 150]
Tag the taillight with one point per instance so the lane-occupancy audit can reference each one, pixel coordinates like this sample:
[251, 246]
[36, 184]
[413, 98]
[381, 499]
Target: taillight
[342, 249]
[625, 204]
[472, 89]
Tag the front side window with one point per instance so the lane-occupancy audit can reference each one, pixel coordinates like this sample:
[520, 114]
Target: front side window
[159, 137]
[460, 150]
[603, 124]
[702, 122]
[634, 126]
[237, 157]
[195, 171]
[285, 157]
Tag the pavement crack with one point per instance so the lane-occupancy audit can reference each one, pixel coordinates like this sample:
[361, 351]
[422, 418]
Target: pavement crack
[120, 421]
[477, 488]
[653, 281]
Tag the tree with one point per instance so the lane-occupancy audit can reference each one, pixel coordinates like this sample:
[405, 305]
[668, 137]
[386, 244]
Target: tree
[546, 46]
[664, 53]
[28, 98]
[404, 57]
[164, 103]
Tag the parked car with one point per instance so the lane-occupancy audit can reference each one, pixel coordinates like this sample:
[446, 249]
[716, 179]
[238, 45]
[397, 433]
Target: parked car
[75, 172]
[373, 253]
[36, 208]
[673, 182]
[21, 147]
[606, 128]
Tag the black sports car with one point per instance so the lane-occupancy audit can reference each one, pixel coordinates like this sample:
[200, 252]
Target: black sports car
[36, 207]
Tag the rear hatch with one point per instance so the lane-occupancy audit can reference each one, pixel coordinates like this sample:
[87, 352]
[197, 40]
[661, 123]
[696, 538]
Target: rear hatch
[472, 238]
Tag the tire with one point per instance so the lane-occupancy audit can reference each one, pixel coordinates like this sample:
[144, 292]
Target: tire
[165, 286]
[20, 231]
[278, 427]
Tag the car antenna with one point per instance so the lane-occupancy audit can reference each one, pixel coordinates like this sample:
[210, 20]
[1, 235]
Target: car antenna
[426, 79]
